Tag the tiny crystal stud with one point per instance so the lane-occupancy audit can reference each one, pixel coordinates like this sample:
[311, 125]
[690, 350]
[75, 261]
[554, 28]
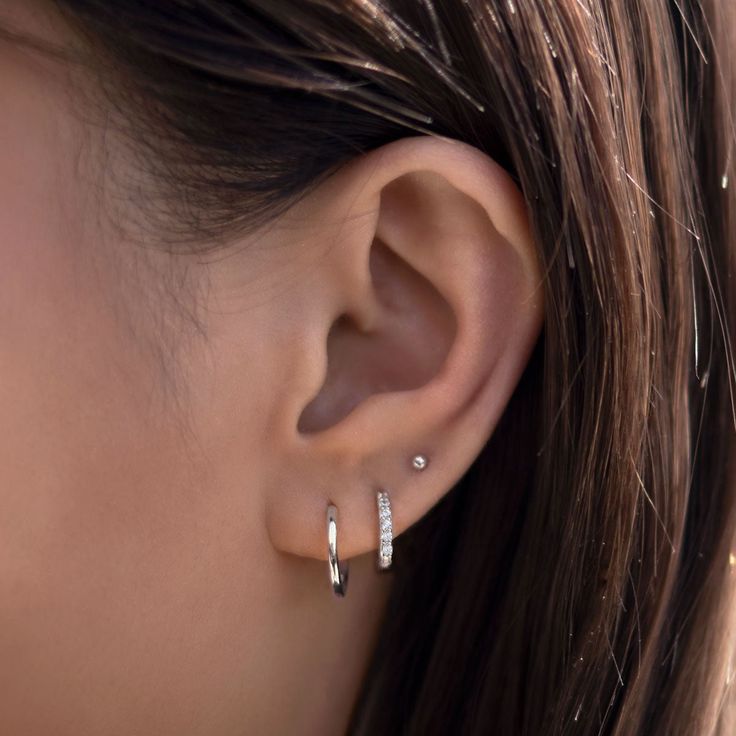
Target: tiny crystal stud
[385, 532]
[419, 462]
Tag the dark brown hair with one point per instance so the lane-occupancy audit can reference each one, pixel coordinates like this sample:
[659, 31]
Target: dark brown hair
[578, 580]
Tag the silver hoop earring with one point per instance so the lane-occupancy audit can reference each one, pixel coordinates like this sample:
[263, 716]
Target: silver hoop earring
[385, 530]
[338, 572]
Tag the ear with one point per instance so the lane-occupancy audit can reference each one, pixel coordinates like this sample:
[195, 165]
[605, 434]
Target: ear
[425, 307]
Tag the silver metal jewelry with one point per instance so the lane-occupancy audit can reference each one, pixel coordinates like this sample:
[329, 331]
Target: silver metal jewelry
[338, 572]
[385, 531]
[419, 462]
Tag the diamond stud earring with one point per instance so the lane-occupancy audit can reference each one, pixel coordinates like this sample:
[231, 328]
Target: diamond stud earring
[419, 462]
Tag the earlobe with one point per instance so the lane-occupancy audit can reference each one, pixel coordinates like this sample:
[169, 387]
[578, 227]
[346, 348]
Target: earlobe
[423, 357]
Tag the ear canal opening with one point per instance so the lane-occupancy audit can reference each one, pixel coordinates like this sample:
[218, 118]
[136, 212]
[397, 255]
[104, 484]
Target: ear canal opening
[406, 348]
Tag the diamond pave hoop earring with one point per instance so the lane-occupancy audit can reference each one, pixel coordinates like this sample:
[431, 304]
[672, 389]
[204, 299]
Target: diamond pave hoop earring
[385, 530]
[338, 572]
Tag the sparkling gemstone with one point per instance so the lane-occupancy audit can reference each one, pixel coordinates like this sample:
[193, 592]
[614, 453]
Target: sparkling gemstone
[419, 462]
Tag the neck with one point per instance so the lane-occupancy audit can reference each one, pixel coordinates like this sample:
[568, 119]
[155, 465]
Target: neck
[308, 655]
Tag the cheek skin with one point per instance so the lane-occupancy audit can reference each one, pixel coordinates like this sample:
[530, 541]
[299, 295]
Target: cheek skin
[121, 580]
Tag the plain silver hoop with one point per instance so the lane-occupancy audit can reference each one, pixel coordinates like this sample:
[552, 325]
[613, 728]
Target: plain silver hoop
[338, 572]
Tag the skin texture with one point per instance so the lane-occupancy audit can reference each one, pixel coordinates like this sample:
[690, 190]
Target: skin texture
[173, 426]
